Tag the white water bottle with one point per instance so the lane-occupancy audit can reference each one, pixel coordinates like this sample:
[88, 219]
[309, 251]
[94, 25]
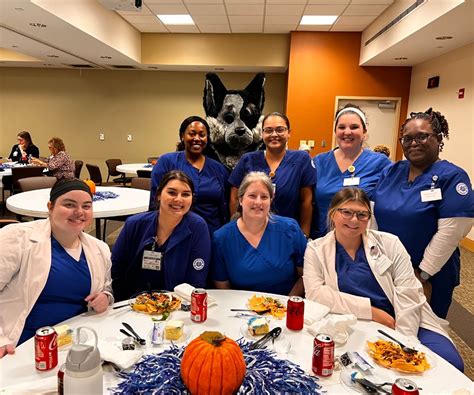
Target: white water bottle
[83, 373]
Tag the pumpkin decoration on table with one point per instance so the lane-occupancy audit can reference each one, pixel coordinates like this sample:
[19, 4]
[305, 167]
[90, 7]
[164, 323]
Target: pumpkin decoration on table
[91, 185]
[213, 364]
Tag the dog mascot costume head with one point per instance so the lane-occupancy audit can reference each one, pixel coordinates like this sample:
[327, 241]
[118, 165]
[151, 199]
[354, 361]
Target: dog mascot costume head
[234, 117]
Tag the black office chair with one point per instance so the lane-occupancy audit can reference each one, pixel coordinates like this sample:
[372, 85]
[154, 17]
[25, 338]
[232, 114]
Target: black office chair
[77, 168]
[94, 173]
[112, 167]
[144, 173]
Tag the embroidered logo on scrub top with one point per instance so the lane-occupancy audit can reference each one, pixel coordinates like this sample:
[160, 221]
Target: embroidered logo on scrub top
[198, 264]
[462, 189]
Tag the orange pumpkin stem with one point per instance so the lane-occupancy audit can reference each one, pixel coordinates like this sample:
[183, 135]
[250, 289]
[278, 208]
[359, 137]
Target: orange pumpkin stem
[214, 338]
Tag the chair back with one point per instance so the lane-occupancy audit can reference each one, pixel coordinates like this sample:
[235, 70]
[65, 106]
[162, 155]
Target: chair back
[153, 159]
[94, 173]
[78, 167]
[24, 172]
[141, 183]
[112, 166]
[144, 173]
[31, 183]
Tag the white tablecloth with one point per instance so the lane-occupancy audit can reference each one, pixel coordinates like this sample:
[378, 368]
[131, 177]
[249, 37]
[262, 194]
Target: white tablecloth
[131, 168]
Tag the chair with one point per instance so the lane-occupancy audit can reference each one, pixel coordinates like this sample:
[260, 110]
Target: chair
[141, 183]
[112, 167]
[153, 159]
[78, 167]
[5, 222]
[24, 172]
[143, 174]
[31, 183]
[94, 173]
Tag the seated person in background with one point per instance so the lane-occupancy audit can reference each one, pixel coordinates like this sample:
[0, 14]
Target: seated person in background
[163, 248]
[52, 270]
[369, 274]
[21, 152]
[60, 164]
[382, 149]
[259, 251]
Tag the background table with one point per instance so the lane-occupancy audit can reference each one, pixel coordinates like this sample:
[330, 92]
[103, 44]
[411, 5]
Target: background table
[21, 367]
[129, 201]
[131, 168]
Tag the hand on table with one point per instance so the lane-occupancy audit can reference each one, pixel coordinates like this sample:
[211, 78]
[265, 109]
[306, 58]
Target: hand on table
[382, 317]
[98, 301]
[7, 349]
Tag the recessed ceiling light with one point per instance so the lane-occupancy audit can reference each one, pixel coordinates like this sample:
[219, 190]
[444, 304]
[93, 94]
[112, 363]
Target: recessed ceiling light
[184, 19]
[444, 38]
[318, 19]
[400, 58]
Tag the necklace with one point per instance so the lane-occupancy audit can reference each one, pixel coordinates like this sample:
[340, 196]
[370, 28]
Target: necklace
[272, 172]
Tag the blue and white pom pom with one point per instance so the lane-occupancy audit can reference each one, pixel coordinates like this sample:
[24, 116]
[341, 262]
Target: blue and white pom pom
[104, 195]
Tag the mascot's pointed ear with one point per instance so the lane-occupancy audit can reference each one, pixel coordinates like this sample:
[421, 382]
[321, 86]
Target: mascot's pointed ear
[214, 93]
[256, 91]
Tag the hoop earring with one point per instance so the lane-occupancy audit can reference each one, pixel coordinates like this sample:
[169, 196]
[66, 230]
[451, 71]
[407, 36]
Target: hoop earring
[441, 145]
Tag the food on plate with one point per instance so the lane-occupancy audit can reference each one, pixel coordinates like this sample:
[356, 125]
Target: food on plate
[174, 329]
[262, 303]
[213, 364]
[64, 335]
[258, 326]
[392, 356]
[155, 303]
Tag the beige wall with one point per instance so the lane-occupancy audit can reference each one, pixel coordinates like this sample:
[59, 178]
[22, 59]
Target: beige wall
[456, 70]
[77, 105]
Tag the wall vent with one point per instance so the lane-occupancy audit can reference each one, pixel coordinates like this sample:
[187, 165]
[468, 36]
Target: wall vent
[415, 5]
[81, 66]
[123, 67]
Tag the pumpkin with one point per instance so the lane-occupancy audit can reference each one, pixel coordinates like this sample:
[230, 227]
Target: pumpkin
[91, 185]
[212, 364]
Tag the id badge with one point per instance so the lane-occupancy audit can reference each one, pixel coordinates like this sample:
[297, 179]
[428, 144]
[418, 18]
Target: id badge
[274, 188]
[152, 260]
[351, 181]
[431, 195]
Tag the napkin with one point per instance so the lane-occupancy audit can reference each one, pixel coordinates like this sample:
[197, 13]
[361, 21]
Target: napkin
[112, 352]
[314, 311]
[184, 291]
[335, 326]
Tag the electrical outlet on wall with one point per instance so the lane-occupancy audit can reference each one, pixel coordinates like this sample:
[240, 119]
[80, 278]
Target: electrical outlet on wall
[302, 142]
[311, 143]
[323, 143]
[101, 136]
[129, 137]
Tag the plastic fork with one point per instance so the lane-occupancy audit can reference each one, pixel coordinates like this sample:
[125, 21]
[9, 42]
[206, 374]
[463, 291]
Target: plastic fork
[406, 349]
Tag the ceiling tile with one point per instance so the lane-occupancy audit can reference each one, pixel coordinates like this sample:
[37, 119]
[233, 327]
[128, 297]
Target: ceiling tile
[245, 9]
[143, 11]
[283, 20]
[206, 9]
[315, 28]
[247, 29]
[210, 20]
[324, 9]
[168, 9]
[246, 20]
[214, 28]
[204, 1]
[150, 2]
[345, 2]
[150, 27]
[284, 9]
[244, 1]
[286, 2]
[140, 19]
[337, 28]
[372, 2]
[354, 20]
[372, 9]
[182, 28]
[279, 28]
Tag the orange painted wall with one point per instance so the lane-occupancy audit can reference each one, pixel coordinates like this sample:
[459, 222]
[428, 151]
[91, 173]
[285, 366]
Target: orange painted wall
[324, 65]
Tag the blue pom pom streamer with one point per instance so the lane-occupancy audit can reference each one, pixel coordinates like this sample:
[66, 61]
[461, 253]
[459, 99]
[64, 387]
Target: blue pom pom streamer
[104, 196]
[265, 375]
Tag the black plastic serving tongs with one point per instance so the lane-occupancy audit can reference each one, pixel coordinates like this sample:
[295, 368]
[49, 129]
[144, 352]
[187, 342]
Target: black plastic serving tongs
[272, 335]
[134, 334]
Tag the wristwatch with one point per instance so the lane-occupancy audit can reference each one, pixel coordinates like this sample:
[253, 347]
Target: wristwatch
[424, 277]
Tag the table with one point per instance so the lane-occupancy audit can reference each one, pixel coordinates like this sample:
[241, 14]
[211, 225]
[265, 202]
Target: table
[131, 168]
[130, 201]
[107, 325]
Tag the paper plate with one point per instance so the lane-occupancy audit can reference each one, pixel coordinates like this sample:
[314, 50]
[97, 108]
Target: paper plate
[153, 308]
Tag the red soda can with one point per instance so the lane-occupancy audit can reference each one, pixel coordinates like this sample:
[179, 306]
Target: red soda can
[295, 313]
[199, 305]
[323, 355]
[404, 386]
[46, 348]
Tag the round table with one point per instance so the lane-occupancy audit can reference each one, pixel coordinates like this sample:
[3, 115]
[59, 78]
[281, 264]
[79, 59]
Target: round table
[21, 367]
[131, 168]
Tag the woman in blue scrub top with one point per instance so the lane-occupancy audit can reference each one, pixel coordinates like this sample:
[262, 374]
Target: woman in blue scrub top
[291, 172]
[209, 176]
[369, 274]
[50, 269]
[349, 164]
[163, 248]
[428, 203]
[259, 252]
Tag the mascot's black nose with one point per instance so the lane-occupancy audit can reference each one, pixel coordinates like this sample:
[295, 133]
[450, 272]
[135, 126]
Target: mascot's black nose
[239, 131]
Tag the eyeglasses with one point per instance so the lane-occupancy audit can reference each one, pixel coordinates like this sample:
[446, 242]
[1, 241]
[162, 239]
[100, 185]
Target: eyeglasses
[347, 213]
[279, 130]
[420, 138]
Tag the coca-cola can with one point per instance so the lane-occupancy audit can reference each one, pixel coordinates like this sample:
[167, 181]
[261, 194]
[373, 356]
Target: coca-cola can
[403, 386]
[199, 305]
[323, 355]
[295, 313]
[46, 348]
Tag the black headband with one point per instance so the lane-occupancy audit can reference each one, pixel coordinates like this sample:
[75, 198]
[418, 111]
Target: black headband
[61, 188]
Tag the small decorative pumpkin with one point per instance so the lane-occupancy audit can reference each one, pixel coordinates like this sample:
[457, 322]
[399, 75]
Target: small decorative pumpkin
[212, 364]
[91, 185]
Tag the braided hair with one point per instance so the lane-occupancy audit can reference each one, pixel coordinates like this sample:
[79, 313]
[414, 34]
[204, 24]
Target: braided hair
[437, 121]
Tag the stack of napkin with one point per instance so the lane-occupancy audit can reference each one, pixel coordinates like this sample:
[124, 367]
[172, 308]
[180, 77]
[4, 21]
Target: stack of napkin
[335, 326]
[184, 291]
[112, 352]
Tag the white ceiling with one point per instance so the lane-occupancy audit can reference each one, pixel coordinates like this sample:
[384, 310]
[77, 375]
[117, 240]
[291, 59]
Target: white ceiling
[47, 40]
